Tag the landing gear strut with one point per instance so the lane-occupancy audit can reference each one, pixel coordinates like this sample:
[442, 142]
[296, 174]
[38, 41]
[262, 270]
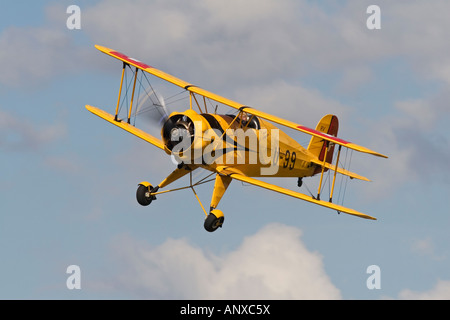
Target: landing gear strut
[146, 193]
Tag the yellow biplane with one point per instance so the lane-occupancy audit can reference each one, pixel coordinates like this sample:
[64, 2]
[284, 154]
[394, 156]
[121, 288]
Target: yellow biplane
[241, 146]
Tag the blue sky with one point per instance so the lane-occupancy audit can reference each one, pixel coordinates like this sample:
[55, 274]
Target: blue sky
[68, 178]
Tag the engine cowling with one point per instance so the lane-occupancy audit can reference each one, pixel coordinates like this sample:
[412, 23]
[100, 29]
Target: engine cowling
[183, 136]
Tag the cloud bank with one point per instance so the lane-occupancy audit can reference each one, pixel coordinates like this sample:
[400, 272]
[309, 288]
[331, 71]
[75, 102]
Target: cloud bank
[18, 134]
[271, 264]
[441, 291]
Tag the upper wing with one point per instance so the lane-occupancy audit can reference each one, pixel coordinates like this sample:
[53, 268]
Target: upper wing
[127, 127]
[192, 88]
[294, 194]
[143, 66]
[310, 131]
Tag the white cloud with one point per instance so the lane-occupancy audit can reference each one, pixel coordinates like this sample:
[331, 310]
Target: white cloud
[353, 78]
[426, 248]
[419, 112]
[237, 42]
[18, 134]
[413, 135]
[65, 163]
[441, 291]
[291, 101]
[417, 130]
[423, 246]
[271, 264]
[226, 40]
[234, 46]
[33, 54]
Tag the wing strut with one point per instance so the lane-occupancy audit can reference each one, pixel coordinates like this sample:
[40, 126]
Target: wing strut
[323, 170]
[120, 92]
[132, 95]
[335, 172]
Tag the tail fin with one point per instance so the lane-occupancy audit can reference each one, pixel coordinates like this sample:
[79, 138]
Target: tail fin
[317, 146]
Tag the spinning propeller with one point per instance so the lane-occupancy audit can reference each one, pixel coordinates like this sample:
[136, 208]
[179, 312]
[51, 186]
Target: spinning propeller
[153, 108]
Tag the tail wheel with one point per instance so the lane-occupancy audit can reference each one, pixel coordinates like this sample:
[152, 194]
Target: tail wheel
[143, 195]
[214, 220]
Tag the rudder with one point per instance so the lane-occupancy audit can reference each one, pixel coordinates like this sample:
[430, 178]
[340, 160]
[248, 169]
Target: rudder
[329, 124]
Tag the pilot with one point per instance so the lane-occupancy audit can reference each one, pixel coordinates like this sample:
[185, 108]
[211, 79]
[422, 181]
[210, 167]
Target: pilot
[243, 118]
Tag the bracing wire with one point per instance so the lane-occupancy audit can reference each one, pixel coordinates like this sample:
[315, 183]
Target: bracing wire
[342, 178]
[349, 165]
[144, 92]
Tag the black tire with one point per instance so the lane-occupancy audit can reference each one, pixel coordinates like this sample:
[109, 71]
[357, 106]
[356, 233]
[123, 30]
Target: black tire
[141, 197]
[212, 223]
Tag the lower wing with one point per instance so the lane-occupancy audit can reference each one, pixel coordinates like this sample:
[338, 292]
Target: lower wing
[294, 194]
[127, 127]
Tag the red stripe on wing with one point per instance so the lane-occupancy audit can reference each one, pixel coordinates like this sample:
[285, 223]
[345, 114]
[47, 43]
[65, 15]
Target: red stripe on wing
[323, 135]
[130, 60]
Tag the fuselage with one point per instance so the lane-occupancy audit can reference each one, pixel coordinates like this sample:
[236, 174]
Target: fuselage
[242, 143]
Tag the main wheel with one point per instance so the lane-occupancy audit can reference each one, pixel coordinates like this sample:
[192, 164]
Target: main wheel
[143, 195]
[214, 220]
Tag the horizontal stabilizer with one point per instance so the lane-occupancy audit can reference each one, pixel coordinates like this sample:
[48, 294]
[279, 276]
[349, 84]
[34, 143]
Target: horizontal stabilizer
[340, 170]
